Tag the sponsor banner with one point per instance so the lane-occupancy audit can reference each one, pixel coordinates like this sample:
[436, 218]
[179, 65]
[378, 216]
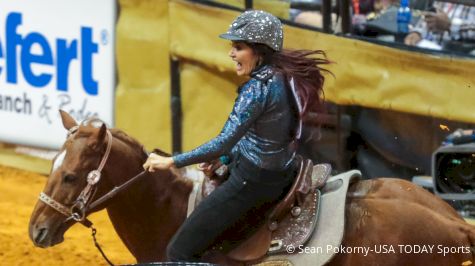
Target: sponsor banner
[54, 54]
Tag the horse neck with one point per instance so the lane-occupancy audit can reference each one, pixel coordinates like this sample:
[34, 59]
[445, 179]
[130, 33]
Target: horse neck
[148, 213]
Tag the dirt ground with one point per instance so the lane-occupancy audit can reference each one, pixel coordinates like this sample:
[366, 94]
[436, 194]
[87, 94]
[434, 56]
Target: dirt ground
[19, 192]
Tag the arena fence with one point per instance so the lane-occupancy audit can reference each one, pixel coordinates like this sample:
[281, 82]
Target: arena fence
[155, 37]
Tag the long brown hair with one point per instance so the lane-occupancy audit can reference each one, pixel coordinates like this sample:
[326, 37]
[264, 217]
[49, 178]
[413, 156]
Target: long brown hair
[304, 67]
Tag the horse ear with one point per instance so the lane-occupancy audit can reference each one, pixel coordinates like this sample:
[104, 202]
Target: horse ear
[98, 138]
[102, 133]
[68, 121]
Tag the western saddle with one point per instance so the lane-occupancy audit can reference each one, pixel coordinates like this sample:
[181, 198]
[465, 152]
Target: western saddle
[291, 221]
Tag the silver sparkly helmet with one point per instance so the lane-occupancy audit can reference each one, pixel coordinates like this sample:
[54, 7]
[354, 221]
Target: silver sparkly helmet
[256, 26]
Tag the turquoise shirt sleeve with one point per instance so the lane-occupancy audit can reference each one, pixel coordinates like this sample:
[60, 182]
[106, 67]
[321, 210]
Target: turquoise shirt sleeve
[248, 106]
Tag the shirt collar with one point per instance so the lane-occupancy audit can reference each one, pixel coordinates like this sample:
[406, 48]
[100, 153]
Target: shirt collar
[262, 72]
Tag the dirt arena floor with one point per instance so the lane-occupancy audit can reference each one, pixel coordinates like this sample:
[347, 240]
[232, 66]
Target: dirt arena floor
[19, 192]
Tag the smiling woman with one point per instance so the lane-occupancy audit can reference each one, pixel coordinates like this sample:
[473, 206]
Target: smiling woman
[19, 192]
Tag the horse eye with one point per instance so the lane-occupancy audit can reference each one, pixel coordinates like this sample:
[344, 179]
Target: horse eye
[69, 178]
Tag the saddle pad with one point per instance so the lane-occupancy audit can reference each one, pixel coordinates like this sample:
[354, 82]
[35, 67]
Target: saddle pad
[330, 227]
[197, 177]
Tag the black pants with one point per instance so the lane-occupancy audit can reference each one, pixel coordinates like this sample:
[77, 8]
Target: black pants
[249, 188]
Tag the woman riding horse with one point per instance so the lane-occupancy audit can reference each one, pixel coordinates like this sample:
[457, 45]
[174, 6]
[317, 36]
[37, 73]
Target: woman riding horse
[259, 135]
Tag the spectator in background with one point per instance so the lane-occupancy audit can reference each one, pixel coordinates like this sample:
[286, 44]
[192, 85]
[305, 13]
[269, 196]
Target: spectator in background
[309, 16]
[450, 22]
[315, 18]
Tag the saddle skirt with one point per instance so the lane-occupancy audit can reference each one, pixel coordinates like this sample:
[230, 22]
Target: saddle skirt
[295, 230]
[291, 221]
[330, 229]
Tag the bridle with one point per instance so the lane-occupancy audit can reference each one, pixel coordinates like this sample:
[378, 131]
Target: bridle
[80, 206]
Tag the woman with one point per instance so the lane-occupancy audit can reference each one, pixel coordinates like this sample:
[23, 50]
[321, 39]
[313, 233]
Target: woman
[258, 135]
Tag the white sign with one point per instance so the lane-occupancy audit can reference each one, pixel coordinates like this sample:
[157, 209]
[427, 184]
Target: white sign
[54, 54]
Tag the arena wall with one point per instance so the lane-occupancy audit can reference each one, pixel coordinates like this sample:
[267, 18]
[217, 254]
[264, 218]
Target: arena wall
[150, 32]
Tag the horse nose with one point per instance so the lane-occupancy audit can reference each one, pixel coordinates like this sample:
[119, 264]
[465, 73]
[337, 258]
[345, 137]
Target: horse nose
[38, 235]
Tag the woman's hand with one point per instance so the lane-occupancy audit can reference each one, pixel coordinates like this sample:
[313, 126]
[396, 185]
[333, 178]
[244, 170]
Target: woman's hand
[209, 167]
[157, 162]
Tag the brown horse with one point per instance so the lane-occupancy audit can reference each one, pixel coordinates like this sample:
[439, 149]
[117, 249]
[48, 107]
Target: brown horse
[379, 212]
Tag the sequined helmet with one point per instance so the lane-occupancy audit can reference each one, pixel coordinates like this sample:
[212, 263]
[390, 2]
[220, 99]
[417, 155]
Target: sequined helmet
[256, 26]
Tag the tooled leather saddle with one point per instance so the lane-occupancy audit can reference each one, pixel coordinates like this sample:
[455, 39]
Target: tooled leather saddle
[291, 221]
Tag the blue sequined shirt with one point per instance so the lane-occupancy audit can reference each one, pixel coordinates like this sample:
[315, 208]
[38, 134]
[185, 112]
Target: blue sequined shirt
[260, 126]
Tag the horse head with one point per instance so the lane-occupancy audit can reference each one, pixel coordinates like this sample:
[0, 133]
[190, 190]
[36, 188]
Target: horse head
[70, 186]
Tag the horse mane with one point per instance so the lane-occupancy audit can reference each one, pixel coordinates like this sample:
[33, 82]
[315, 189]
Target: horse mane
[179, 179]
[122, 136]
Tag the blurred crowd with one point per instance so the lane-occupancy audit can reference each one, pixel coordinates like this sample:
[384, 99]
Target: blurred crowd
[438, 25]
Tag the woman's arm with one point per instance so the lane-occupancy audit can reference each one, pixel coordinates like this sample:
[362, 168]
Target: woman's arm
[248, 106]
